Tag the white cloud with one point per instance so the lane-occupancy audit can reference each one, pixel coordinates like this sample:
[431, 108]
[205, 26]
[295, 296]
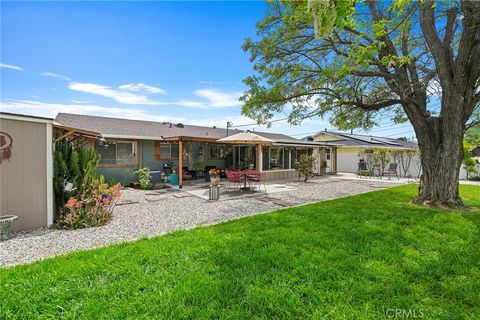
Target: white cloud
[55, 75]
[219, 99]
[9, 66]
[211, 82]
[142, 87]
[82, 101]
[51, 109]
[434, 88]
[117, 95]
[212, 98]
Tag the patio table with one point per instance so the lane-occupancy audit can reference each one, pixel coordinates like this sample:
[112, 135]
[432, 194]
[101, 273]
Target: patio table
[244, 174]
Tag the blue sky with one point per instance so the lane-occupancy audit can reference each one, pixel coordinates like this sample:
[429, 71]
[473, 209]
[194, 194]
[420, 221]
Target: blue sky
[165, 61]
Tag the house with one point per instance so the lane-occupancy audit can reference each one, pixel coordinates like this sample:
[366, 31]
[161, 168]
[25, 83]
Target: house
[351, 146]
[126, 145]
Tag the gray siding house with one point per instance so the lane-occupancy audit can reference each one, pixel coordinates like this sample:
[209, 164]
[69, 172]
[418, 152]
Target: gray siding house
[126, 145]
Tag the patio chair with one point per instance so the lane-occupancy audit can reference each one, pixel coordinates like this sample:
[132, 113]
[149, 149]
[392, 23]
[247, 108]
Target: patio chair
[362, 170]
[234, 179]
[193, 173]
[186, 177]
[392, 170]
[257, 179]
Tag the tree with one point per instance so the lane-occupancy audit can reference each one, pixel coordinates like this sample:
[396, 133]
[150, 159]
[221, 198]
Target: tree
[358, 62]
[382, 156]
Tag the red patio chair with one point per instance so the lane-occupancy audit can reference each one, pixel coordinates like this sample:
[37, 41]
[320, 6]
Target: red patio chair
[256, 179]
[186, 177]
[233, 178]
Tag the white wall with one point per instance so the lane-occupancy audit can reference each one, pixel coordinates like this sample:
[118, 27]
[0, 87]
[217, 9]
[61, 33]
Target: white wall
[348, 162]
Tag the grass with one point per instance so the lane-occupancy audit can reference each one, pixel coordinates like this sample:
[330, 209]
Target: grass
[351, 258]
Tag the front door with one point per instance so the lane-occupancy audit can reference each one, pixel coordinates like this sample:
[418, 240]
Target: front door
[328, 158]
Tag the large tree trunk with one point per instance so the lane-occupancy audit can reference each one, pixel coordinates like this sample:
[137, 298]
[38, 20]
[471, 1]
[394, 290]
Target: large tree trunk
[441, 148]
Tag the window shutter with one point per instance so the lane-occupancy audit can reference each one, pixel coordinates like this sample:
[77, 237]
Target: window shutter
[157, 150]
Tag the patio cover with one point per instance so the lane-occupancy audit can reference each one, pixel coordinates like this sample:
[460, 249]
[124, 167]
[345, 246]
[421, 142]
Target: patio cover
[246, 138]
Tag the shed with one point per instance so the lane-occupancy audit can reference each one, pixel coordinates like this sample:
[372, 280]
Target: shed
[26, 170]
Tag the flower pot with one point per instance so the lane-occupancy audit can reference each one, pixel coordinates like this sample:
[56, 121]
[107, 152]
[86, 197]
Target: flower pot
[214, 180]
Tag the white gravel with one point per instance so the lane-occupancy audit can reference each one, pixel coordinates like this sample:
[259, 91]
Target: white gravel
[170, 213]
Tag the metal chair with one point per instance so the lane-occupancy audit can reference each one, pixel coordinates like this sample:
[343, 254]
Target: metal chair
[392, 170]
[362, 170]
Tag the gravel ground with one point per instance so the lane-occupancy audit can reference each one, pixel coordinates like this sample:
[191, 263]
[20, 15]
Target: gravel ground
[167, 214]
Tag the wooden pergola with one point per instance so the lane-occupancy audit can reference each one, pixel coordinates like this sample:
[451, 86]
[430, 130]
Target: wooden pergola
[77, 136]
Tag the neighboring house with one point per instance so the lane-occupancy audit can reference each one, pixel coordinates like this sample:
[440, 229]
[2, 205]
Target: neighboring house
[351, 146]
[131, 144]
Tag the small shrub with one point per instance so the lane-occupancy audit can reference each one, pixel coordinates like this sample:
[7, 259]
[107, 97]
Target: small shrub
[304, 166]
[92, 208]
[144, 177]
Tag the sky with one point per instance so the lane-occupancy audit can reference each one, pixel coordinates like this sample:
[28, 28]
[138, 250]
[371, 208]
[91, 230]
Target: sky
[159, 61]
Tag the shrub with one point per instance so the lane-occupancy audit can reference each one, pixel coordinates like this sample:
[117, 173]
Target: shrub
[304, 166]
[144, 177]
[75, 165]
[92, 208]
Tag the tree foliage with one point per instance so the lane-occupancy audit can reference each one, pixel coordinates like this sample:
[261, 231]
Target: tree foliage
[358, 63]
[354, 62]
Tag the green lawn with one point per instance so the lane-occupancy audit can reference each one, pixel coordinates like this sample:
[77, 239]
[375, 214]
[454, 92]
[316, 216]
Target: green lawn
[352, 258]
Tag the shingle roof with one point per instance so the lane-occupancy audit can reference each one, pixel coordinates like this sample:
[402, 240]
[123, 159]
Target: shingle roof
[357, 140]
[140, 129]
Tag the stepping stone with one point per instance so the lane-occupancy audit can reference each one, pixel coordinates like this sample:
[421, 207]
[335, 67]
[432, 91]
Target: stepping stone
[154, 198]
[125, 202]
[182, 195]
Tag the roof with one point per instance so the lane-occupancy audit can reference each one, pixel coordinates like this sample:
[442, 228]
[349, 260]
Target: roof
[151, 130]
[366, 141]
[26, 117]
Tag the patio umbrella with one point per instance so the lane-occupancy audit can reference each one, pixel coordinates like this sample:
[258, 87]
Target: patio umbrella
[246, 137]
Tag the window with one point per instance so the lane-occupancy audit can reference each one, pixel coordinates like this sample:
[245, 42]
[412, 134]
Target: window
[265, 158]
[327, 154]
[286, 158]
[117, 153]
[166, 151]
[276, 158]
[216, 151]
[293, 158]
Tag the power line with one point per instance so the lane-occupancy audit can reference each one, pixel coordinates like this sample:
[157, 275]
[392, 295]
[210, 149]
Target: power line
[396, 134]
[256, 124]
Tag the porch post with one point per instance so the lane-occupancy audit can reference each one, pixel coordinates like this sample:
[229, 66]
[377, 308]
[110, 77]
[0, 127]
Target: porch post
[259, 157]
[289, 158]
[180, 164]
[322, 158]
[334, 155]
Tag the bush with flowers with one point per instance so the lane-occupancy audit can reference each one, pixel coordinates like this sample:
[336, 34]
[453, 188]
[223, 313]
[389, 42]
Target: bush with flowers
[92, 208]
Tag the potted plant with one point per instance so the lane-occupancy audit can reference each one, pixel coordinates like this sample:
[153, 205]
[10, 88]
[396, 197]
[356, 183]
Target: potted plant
[199, 168]
[214, 177]
[174, 177]
[323, 167]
